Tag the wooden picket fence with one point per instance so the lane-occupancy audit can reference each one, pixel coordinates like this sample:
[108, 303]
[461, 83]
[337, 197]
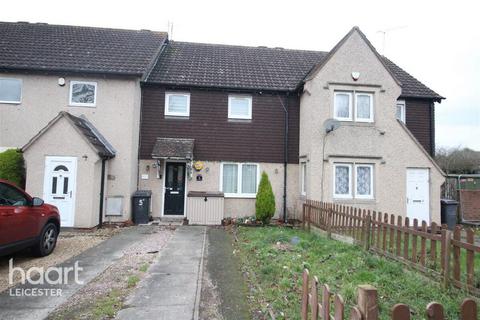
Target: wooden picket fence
[314, 306]
[447, 256]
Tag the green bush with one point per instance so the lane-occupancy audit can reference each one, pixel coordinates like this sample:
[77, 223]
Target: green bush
[265, 203]
[12, 167]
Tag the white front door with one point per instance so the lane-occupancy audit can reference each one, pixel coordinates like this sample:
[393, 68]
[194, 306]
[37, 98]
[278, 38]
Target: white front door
[418, 195]
[59, 186]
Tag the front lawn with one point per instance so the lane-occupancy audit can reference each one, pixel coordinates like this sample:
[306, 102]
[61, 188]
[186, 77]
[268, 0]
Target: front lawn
[274, 264]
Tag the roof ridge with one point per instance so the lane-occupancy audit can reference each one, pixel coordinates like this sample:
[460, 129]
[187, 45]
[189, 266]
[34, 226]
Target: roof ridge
[245, 46]
[45, 24]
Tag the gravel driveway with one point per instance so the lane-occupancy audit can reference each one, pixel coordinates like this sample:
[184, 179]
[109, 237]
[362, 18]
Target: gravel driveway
[69, 244]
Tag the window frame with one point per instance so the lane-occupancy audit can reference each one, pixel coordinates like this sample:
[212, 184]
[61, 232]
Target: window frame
[403, 113]
[350, 105]
[250, 107]
[167, 112]
[303, 187]
[350, 182]
[372, 190]
[21, 92]
[371, 118]
[239, 193]
[82, 104]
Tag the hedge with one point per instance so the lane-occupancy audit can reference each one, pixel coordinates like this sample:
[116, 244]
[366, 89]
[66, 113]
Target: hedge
[12, 167]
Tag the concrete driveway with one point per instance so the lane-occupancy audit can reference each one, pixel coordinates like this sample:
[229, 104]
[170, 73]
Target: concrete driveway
[92, 261]
[172, 288]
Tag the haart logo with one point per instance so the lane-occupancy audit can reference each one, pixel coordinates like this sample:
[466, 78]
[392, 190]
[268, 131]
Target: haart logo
[41, 276]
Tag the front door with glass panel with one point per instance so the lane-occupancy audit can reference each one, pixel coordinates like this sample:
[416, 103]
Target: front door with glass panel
[59, 186]
[174, 203]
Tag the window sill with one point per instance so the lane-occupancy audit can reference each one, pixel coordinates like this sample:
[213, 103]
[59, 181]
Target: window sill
[353, 123]
[238, 120]
[172, 117]
[11, 102]
[355, 200]
[83, 105]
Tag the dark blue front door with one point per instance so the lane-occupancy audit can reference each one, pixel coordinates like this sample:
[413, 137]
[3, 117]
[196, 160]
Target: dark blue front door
[174, 188]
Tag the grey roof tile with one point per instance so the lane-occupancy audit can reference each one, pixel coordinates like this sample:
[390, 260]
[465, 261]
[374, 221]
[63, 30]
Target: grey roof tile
[173, 148]
[39, 46]
[258, 68]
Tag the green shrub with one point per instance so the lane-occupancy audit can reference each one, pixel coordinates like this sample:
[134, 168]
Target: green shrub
[12, 167]
[265, 203]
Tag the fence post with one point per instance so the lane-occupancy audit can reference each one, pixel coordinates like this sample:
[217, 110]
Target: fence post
[367, 230]
[309, 211]
[329, 221]
[446, 243]
[303, 215]
[367, 302]
[306, 276]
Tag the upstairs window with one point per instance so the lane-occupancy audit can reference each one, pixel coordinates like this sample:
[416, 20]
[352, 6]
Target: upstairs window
[400, 110]
[10, 90]
[343, 106]
[177, 104]
[83, 94]
[353, 106]
[364, 107]
[239, 107]
[239, 180]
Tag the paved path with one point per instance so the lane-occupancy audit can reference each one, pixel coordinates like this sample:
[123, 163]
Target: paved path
[223, 268]
[93, 261]
[172, 289]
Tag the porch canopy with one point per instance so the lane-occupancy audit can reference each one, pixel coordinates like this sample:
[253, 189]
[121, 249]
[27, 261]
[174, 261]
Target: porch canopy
[173, 148]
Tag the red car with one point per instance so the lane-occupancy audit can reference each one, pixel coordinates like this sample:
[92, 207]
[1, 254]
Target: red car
[26, 222]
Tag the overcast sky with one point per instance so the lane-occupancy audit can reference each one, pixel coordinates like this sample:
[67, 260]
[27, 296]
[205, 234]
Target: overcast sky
[438, 42]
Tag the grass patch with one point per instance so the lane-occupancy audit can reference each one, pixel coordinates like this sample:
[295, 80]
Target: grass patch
[108, 306]
[144, 267]
[275, 268]
[132, 281]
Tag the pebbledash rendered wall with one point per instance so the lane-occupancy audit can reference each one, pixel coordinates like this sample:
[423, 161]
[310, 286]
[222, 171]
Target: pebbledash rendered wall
[386, 142]
[87, 197]
[116, 116]
[234, 207]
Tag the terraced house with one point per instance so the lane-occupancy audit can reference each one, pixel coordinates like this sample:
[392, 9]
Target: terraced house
[70, 99]
[197, 124]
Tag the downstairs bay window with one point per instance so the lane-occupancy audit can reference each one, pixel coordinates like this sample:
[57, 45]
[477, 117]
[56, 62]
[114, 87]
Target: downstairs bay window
[353, 180]
[239, 179]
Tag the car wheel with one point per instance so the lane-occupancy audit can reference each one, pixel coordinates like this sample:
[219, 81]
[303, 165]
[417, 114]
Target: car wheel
[48, 241]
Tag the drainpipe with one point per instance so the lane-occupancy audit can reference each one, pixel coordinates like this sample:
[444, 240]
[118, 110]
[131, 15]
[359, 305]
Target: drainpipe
[102, 193]
[285, 156]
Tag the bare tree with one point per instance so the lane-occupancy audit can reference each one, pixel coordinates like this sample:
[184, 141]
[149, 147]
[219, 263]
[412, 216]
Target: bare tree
[458, 160]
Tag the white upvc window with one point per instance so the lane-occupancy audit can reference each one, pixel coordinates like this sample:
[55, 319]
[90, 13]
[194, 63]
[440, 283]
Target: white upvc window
[364, 181]
[10, 90]
[364, 107]
[83, 94]
[343, 106]
[304, 178]
[361, 180]
[239, 107]
[177, 104]
[342, 180]
[239, 180]
[400, 111]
